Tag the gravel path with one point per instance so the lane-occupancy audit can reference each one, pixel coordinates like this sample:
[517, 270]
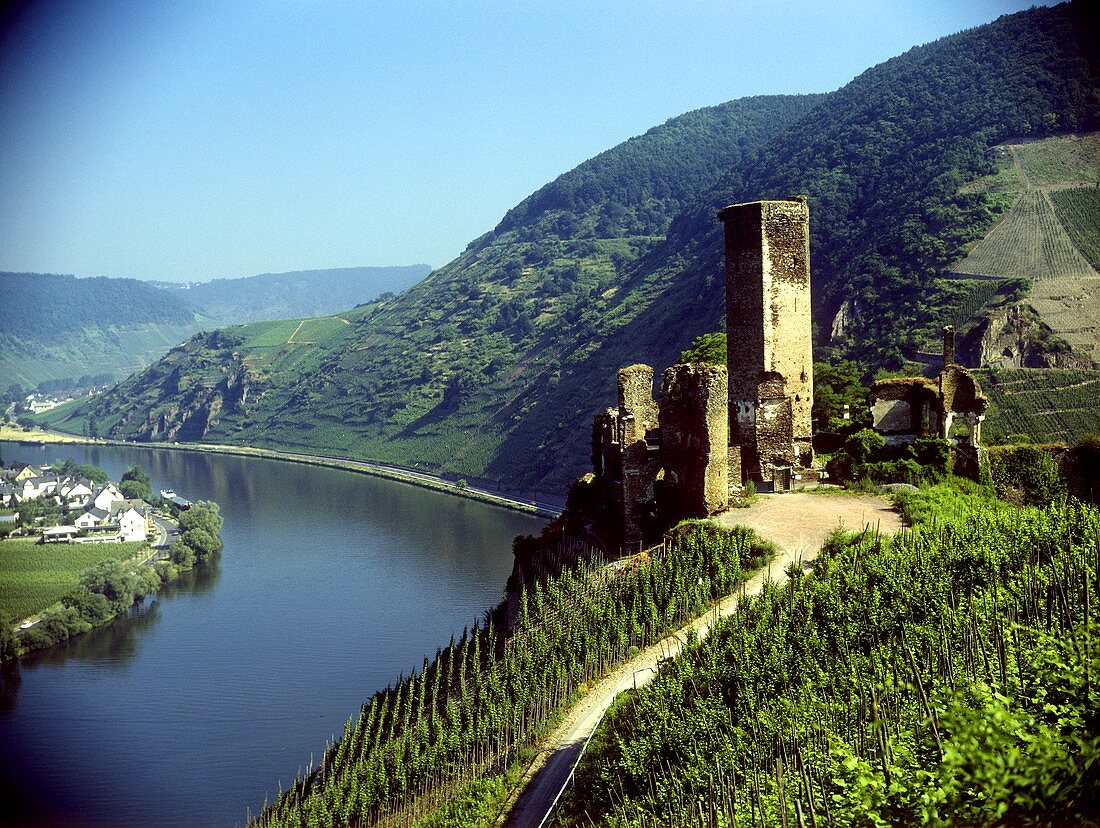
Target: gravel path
[797, 523]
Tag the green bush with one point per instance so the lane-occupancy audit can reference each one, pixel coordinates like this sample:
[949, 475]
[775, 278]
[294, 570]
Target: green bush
[1026, 474]
[182, 555]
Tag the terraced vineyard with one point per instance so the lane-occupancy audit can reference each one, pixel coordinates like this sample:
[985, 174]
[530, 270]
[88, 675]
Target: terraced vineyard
[1065, 158]
[1079, 211]
[1029, 242]
[1047, 405]
[1050, 236]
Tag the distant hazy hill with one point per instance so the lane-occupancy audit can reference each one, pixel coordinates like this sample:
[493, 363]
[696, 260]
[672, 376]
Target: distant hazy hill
[296, 294]
[493, 366]
[60, 327]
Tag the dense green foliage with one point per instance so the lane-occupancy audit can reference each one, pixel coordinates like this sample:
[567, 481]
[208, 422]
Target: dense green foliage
[942, 677]
[465, 715]
[61, 328]
[46, 307]
[200, 539]
[135, 484]
[1026, 475]
[492, 366]
[707, 348]
[296, 294]
[836, 385]
[866, 456]
[108, 588]
[70, 468]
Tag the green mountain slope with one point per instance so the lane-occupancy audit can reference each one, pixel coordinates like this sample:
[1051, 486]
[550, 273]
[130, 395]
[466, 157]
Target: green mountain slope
[1046, 240]
[439, 375]
[59, 327]
[493, 366]
[882, 160]
[296, 294]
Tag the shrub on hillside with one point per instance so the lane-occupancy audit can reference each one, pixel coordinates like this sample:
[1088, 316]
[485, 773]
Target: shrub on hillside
[1026, 475]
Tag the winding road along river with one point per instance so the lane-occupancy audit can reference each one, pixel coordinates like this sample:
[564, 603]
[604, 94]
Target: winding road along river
[194, 708]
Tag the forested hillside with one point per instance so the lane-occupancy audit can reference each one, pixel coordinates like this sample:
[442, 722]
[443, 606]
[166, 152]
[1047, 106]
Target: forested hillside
[493, 366]
[296, 294]
[441, 373]
[59, 327]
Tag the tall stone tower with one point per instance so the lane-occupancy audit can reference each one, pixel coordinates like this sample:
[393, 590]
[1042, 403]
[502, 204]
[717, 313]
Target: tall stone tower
[769, 352]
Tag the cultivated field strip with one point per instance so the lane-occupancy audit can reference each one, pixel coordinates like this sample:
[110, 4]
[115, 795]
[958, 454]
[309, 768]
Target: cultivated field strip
[1078, 210]
[1029, 242]
[1044, 404]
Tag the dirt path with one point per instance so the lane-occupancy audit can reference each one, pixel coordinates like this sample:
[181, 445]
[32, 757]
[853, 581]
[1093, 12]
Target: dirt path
[798, 524]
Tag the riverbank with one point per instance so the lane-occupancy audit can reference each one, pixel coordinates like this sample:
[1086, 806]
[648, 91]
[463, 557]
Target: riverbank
[412, 477]
[72, 589]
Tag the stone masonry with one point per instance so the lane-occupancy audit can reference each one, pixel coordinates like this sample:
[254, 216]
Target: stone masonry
[695, 439]
[716, 426]
[950, 407]
[658, 465]
[769, 352]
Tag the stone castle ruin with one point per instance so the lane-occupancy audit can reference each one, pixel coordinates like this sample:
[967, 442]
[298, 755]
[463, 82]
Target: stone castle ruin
[717, 427]
[951, 407]
[768, 348]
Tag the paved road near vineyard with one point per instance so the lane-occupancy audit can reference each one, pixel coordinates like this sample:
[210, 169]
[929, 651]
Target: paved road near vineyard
[798, 524]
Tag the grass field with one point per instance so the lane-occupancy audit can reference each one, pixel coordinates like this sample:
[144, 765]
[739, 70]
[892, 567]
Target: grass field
[32, 577]
[1048, 405]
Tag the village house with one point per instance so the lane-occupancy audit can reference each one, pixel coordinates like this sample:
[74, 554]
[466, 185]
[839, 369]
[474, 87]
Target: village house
[105, 497]
[75, 492]
[30, 488]
[91, 519]
[132, 525]
[27, 471]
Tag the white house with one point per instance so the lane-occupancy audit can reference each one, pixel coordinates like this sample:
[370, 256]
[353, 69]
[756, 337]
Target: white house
[32, 487]
[91, 519]
[59, 534]
[105, 497]
[75, 492]
[131, 525]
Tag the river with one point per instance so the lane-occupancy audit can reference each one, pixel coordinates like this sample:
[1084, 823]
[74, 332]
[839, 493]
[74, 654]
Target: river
[202, 701]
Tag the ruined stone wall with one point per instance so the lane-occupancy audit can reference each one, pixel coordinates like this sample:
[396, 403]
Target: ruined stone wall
[694, 418]
[640, 452]
[768, 332]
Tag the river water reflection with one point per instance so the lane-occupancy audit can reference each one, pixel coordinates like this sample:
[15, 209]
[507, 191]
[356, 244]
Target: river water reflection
[189, 711]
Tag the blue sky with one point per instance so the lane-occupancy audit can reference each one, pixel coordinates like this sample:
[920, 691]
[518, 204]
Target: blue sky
[196, 140]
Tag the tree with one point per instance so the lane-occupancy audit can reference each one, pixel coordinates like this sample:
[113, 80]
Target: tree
[7, 641]
[204, 544]
[113, 579]
[135, 484]
[203, 515]
[93, 473]
[181, 554]
[709, 349]
[836, 385]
